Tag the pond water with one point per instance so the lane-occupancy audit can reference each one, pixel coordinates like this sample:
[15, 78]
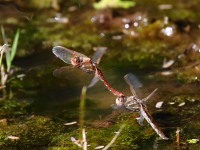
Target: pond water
[157, 41]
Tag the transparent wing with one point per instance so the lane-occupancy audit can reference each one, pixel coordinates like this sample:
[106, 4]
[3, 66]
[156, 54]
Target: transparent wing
[149, 96]
[94, 81]
[144, 112]
[140, 119]
[114, 106]
[133, 82]
[62, 72]
[65, 54]
[98, 54]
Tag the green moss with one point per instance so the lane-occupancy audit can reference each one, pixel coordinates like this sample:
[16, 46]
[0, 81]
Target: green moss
[35, 131]
[186, 77]
[12, 107]
[130, 137]
[183, 14]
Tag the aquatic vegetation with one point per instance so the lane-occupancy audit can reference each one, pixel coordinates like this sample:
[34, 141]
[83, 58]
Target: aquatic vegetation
[9, 56]
[42, 4]
[33, 131]
[113, 4]
[137, 39]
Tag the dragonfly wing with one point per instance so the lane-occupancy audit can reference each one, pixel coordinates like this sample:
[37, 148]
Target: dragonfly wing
[94, 81]
[62, 72]
[140, 119]
[115, 106]
[133, 82]
[65, 54]
[149, 96]
[98, 54]
[144, 112]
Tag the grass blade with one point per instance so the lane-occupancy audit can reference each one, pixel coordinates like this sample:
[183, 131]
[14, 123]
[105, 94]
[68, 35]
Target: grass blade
[3, 35]
[115, 137]
[14, 45]
[8, 61]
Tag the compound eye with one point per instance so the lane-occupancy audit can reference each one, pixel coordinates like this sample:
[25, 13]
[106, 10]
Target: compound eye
[78, 60]
[119, 101]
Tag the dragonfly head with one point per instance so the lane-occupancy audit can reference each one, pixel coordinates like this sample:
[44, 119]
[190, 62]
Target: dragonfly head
[76, 61]
[121, 100]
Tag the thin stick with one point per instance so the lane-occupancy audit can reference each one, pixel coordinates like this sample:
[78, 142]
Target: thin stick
[178, 136]
[114, 138]
[84, 140]
[82, 106]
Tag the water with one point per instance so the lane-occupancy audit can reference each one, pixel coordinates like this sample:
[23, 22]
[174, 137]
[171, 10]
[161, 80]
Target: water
[38, 104]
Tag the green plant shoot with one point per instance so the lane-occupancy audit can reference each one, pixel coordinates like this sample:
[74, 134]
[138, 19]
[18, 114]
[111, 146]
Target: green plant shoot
[82, 106]
[11, 54]
[113, 4]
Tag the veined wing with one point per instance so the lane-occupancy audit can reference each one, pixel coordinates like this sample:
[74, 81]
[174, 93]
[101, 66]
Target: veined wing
[149, 96]
[66, 54]
[145, 114]
[98, 54]
[62, 72]
[96, 59]
[133, 82]
[94, 80]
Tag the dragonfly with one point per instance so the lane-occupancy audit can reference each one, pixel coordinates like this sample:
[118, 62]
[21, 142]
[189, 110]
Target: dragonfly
[136, 104]
[85, 64]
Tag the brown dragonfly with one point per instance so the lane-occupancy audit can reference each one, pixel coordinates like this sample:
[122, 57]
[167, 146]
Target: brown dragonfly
[136, 104]
[85, 64]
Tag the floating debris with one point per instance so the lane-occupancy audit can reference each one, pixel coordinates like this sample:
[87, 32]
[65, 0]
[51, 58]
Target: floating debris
[72, 8]
[168, 31]
[165, 6]
[13, 137]
[171, 103]
[167, 64]
[21, 76]
[58, 19]
[181, 104]
[159, 104]
[99, 147]
[117, 37]
[166, 73]
[70, 123]
[77, 142]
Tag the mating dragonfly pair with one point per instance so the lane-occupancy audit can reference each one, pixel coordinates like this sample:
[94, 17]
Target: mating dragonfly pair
[89, 65]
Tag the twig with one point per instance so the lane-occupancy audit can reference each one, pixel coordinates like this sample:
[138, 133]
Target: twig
[114, 138]
[84, 140]
[178, 136]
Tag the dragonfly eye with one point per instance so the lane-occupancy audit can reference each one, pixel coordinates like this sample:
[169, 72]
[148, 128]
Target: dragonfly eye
[120, 101]
[78, 60]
